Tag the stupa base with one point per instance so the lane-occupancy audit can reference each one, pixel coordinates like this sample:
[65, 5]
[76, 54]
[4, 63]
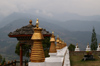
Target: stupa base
[98, 49]
[77, 49]
[36, 64]
[88, 49]
[52, 54]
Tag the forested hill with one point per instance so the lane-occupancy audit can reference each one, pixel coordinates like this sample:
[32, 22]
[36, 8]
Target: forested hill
[7, 44]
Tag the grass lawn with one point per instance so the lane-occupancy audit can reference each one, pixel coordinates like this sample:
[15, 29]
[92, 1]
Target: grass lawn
[76, 61]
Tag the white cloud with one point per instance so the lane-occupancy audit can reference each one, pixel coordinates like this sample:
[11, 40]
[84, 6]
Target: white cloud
[82, 7]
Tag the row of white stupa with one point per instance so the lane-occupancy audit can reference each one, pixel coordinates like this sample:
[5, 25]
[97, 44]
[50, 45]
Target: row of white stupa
[87, 48]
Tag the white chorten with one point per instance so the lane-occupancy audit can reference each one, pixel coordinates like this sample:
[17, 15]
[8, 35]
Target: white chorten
[98, 49]
[77, 48]
[88, 47]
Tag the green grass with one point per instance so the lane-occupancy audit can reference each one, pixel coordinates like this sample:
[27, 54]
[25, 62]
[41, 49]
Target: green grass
[76, 60]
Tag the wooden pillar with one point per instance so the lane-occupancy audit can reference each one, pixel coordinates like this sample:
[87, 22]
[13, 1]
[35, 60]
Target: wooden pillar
[21, 56]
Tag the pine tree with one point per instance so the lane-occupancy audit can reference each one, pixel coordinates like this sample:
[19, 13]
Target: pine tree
[93, 40]
[71, 47]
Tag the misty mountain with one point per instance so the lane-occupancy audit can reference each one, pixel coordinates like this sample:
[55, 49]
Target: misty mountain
[71, 16]
[56, 18]
[81, 37]
[17, 20]
[77, 25]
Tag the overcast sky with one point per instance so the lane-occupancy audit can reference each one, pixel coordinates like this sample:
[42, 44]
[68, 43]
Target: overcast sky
[81, 7]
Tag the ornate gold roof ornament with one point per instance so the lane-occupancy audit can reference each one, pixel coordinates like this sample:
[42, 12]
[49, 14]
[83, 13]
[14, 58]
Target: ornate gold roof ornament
[77, 45]
[58, 44]
[57, 38]
[37, 32]
[37, 52]
[52, 46]
[37, 23]
[63, 44]
[30, 22]
[52, 37]
[99, 43]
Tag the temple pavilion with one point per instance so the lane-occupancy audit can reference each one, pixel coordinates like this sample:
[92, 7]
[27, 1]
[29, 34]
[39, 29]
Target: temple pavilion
[24, 35]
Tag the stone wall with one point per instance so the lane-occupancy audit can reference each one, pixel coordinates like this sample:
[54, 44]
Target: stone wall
[83, 52]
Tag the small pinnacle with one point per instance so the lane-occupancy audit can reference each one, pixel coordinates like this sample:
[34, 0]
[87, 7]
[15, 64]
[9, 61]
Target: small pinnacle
[30, 22]
[37, 23]
[52, 32]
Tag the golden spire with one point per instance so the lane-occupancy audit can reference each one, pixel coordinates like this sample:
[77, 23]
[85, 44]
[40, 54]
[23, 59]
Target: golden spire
[99, 43]
[37, 52]
[30, 22]
[88, 45]
[37, 23]
[63, 45]
[77, 44]
[52, 46]
[57, 38]
[58, 44]
[52, 37]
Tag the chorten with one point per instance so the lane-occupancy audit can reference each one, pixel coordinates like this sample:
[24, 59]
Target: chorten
[37, 53]
[63, 44]
[57, 45]
[60, 44]
[52, 51]
[77, 48]
[98, 49]
[88, 47]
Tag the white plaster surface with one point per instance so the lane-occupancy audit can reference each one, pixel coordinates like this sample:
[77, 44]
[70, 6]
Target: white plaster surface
[62, 52]
[88, 49]
[36, 64]
[98, 49]
[52, 54]
[77, 49]
[55, 59]
[53, 63]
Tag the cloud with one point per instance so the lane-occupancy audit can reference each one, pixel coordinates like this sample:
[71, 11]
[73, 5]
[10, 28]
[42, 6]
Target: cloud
[82, 7]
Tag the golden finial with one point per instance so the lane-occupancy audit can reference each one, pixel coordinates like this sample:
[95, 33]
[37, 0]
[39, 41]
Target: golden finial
[57, 36]
[76, 43]
[37, 23]
[30, 22]
[52, 32]
[87, 43]
[99, 43]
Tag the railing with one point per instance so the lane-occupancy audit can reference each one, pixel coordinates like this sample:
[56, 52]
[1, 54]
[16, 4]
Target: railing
[14, 63]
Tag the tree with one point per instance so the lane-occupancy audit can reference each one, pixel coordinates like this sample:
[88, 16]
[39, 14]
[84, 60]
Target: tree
[71, 47]
[3, 61]
[93, 40]
[25, 49]
[0, 58]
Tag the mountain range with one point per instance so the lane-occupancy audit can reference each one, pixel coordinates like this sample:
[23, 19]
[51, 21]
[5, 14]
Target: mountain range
[71, 31]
